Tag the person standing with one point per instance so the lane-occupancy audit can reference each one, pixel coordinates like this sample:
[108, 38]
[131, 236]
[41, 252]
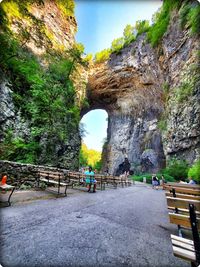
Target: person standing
[126, 167]
[90, 180]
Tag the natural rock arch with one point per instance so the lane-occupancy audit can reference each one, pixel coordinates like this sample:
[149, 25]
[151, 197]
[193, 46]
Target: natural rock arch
[128, 87]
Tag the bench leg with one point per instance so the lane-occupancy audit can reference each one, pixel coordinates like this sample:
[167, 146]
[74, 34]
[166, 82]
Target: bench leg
[9, 203]
[179, 231]
[66, 190]
[195, 234]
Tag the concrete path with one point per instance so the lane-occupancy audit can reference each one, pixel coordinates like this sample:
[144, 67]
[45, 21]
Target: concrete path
[123, 227]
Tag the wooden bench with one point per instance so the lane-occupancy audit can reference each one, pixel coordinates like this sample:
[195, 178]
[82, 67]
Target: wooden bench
[185, 248]
[77, 179]
[185, 213]
[4, 188]
[179, 212]
[183, 188]
[53, 178]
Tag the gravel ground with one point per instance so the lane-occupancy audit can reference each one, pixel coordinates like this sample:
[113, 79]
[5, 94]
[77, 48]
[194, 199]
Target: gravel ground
[116, 227]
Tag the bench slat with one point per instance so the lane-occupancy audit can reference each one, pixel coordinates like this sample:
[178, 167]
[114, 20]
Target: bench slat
[182, 239]
[183, 211]
[184, 254]
[193, 186]
[6, 186]
[183, 245]
[195, 192]
[184, 196]
[182, 220]
[52, 181]
[182, 203]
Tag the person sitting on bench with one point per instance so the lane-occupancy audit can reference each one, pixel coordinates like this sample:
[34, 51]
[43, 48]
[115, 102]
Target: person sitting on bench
[90, 179]
[191, 181]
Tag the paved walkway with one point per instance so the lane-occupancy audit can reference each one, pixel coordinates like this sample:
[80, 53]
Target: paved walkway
[123, 227]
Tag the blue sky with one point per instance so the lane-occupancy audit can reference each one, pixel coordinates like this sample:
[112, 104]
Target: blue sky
[99, 23]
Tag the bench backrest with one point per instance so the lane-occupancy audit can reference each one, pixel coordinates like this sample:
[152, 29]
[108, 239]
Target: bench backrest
[184, 196]
[51, 175]
[181, 203]
[182, 220]
[185, 190]
[183, 185]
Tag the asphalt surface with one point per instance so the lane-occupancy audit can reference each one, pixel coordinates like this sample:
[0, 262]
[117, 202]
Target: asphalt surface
[116, 227]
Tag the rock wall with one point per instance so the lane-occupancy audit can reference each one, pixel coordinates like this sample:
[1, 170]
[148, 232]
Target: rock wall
[131, 87]
[19, 173]
[181, 137]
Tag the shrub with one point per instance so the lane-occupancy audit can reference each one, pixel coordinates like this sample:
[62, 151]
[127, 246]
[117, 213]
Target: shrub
[128, 35]
[161, 22]
[142, 26]
[162, 124]
[177, 169]
[190, 16]
[117, 45]
[184, 91]
[183, 14]
[194, 19]
[102, 56]
[194, 171]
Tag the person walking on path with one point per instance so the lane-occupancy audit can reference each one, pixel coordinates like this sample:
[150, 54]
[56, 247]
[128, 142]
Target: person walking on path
[90, 180]
[126, 167]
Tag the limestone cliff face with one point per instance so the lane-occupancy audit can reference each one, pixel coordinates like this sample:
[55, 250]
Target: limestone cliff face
[46, 26]
[43, 29]
[130, 87]
[140, 87]
[181, 66]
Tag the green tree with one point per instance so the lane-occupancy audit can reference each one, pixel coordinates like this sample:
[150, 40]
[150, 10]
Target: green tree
[194, 171]
[117, 45]
[128, 34]
[89, 157]
[102, 56]
[142, 26]
[177, 168]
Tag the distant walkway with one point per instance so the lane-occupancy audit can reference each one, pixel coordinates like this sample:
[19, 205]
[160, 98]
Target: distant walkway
[123, 227]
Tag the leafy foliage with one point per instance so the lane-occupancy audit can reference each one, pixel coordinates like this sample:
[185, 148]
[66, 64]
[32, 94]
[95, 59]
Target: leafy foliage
[190, 16]
[49, 95]
[90, 157]
[142, 26]
[67, 6]
[128, 35]
[194, 171]
[102, 56]
[189, 84]
[117, 45]
[161, 22]
[177, 169]
[162, 123]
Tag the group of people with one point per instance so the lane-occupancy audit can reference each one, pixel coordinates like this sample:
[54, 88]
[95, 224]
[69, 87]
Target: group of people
[156, 182]
[91, 181]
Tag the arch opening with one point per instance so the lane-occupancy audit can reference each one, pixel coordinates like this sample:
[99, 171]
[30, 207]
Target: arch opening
[93, 130]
